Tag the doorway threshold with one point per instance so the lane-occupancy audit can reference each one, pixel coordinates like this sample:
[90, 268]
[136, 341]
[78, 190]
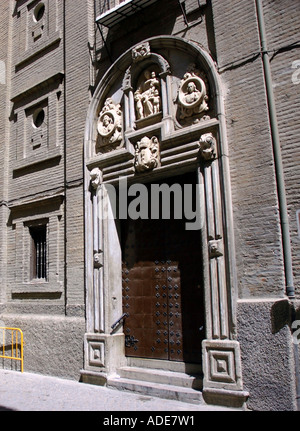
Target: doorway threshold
[161, 364]
[160, 381]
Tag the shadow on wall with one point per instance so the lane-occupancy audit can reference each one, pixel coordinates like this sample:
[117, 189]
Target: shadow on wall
[140, 26]
[284, 313]
[280, 315]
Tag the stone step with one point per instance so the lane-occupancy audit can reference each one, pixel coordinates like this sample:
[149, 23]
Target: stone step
[182, 380]
[160, 390]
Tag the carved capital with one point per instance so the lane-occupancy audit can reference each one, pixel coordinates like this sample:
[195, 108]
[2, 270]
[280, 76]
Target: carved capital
[207, 145]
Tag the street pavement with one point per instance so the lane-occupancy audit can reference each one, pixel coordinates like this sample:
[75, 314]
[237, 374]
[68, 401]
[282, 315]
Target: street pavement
[34, 392]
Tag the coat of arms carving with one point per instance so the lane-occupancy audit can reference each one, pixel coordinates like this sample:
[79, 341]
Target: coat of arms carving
[146, 154]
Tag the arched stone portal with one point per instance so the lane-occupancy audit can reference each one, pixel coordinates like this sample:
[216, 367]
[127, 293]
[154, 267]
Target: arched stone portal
[158, 113]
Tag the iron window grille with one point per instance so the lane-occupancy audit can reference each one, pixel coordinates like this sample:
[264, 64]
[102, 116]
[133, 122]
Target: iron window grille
[38, 252]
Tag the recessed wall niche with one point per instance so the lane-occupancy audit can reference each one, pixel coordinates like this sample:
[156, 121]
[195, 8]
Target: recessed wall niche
[38, 18]
[37, 235]
[37, 21]
[37, 27]
[38, 124]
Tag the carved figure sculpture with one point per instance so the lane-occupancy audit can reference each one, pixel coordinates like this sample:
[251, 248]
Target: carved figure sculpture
[95, 176]
[207, 145]
[146, 154]
[192, 95]
[110, 123]
[147, 96]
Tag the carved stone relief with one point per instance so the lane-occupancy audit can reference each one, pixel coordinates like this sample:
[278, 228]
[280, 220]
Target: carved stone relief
[147, 96]
[215, 248]
[207, 144]
[98, 260]
[141, 52]
[192, 97]
[146, 154]
[110, 123]
[95, 176]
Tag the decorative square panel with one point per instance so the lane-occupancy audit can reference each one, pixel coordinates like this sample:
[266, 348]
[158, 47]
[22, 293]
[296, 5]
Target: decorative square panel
[221, 363]
[96, 353]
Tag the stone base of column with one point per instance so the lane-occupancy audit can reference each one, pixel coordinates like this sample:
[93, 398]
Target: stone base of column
[103, 355]
[93, 378]
[225, 397]
[222, 384]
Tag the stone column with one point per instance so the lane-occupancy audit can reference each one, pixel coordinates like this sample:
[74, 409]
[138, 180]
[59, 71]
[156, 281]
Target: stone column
[221, 353]
[104, 348]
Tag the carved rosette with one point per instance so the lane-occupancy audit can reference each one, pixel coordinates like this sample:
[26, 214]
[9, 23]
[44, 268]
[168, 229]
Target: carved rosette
[146, 154]
[110, 123]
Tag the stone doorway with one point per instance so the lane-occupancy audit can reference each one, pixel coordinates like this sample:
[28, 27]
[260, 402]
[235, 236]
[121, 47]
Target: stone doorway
[181, 137]
[162, 286]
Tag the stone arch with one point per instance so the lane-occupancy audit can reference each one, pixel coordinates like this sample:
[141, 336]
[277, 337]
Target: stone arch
[199, 143]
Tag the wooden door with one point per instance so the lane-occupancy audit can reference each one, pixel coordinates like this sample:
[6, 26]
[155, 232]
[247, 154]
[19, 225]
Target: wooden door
[162, 290]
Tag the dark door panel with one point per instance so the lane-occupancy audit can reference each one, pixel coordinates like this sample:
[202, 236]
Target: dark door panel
[162, 290]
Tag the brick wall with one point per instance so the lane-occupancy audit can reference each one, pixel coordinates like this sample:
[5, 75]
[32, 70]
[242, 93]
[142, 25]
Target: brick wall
[4, 136]
[79, 28]
[282, 27]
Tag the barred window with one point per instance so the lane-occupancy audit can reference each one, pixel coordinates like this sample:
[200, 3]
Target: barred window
[38, 252]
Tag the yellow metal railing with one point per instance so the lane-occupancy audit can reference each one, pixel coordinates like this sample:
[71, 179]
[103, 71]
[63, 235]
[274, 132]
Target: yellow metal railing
[13, 336]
